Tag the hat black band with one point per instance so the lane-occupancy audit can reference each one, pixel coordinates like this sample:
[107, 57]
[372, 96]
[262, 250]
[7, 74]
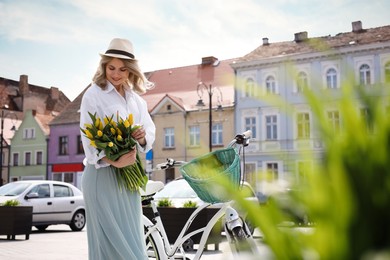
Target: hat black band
[125, 53]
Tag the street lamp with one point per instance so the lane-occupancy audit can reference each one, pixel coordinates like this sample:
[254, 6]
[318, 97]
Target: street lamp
[210, 91]
[1, 141]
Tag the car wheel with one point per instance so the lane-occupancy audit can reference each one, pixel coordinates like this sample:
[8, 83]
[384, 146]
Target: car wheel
[41, 227]
[78, 221]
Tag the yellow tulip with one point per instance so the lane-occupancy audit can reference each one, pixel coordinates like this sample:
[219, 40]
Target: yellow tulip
[97, 122]
[127, 124]
[87, 126]
[119, 131]
[93, 143]
[112, 130]
[106, 121]
[130, 119]
[100, 125]
[99, 133]
[119, 138]
[88, 133]
[110, 144]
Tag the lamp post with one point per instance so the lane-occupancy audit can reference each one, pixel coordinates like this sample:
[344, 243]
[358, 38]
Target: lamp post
[210, 91]
[1, 147]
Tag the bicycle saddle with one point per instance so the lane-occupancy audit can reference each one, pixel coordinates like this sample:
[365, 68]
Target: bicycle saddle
[151, 188]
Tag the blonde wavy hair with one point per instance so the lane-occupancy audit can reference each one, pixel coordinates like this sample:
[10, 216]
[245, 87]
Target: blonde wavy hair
[136, 81]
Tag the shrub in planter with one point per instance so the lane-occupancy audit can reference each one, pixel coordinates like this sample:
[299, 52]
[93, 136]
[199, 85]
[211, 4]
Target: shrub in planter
[15, 219]
[190, 204]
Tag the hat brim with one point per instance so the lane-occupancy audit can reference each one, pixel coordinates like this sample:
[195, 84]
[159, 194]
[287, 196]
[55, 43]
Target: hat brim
[119, 56]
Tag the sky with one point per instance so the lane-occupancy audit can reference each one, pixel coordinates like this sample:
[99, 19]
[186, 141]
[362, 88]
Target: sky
[57, 42]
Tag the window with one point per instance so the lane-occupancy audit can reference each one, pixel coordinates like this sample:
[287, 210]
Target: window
[194, 135]
[28, 133]
[271, 126]
[270, 85]
[334, 120]
[364, 74]
[169, 137]
[39, 158]
[63, 176]
[387, 72]
[331, 78]
[250, 124]
[80, 148]
[27, 158]
[217, 134]
[15, 159]
[302, 81]
[63, 145]
[62, 191]
[250, 88]
[303, 125]
[43, 190]
[272, 170]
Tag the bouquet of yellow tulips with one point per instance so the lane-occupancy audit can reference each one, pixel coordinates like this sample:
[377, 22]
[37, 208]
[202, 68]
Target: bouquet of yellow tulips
[114, 138]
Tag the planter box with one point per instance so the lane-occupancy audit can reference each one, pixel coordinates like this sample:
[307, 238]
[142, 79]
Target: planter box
[174, 220]
[15, 220]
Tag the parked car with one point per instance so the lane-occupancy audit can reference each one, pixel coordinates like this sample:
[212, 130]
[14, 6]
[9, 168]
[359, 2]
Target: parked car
[53, 202]
[179, 191]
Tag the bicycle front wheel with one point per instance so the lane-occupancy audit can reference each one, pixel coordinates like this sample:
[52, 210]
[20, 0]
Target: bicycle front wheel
[151, 247]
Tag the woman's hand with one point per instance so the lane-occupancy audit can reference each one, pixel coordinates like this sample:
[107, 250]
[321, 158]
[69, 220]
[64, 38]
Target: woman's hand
[123, 161]
[139, 135]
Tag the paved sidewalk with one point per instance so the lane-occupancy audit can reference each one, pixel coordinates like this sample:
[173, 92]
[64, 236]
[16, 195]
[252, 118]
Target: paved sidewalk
[60, 243]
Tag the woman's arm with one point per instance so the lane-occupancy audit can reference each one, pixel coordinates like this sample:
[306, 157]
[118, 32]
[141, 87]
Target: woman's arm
[123, 161]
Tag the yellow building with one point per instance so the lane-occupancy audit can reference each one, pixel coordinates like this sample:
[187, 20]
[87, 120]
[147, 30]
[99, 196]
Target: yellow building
[182, 127]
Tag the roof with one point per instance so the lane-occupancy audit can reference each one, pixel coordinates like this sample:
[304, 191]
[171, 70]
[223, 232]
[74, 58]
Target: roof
[71, 113]
[43, 121]
[180, 84]
[187, 78]
[319, 44]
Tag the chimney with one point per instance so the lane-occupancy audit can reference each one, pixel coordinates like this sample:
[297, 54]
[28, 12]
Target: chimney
[54, 93]
[23, 85]
[300, 37]
[210, 60]
[265, 41]
[357, 26]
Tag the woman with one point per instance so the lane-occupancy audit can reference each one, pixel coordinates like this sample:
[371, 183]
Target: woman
[114, 215]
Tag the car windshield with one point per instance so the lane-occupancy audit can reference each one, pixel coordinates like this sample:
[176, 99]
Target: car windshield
[176, 189]
[13, 188]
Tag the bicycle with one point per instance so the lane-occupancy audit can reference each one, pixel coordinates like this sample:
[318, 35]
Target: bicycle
[237, 232]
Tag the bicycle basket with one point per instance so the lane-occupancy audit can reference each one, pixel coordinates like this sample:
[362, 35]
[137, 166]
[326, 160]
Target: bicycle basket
[202, 173]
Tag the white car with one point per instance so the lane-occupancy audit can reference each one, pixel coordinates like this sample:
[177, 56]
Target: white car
[53, 202]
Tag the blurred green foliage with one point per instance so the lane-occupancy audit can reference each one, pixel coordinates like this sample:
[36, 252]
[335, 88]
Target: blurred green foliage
[346, 193]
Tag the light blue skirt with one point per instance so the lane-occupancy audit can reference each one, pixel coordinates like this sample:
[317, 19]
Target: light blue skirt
[114, 217]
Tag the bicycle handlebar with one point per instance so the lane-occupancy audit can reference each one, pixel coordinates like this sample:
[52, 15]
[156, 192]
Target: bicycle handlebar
[240, 139]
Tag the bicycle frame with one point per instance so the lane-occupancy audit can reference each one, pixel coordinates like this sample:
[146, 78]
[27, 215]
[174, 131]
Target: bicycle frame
[155, 230]
[171, 250]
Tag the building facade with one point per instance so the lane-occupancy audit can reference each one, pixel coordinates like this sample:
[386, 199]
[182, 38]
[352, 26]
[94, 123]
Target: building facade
[28, 153]
[20, 100]
[270, 101]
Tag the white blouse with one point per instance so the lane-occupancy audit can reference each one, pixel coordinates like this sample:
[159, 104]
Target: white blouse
[107, 102]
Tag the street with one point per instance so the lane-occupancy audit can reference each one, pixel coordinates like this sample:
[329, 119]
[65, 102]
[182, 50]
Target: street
[59, 242]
